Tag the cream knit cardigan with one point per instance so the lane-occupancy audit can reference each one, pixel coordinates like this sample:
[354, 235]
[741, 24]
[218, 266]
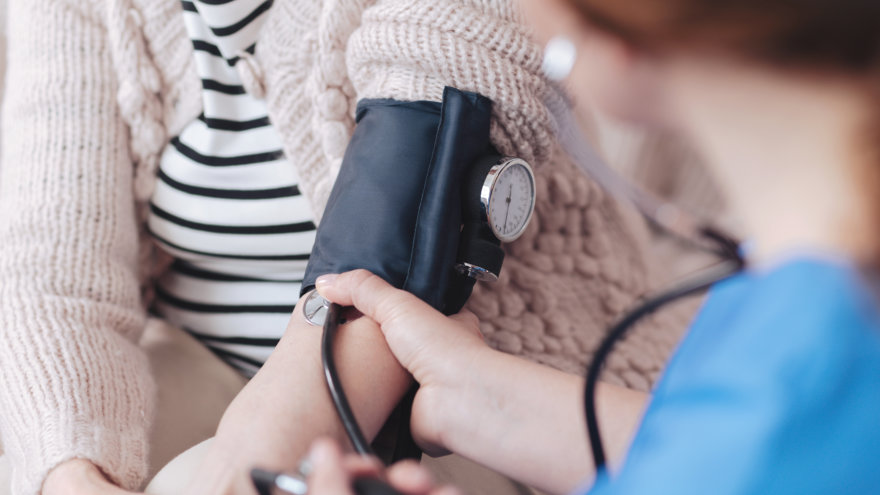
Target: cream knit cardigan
[96, 88]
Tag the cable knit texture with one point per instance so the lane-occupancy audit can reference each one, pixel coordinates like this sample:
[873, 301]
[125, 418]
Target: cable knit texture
[74, 382]
[96, 88]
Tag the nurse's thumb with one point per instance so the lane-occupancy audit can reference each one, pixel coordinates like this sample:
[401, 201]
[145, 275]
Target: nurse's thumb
[375, 298]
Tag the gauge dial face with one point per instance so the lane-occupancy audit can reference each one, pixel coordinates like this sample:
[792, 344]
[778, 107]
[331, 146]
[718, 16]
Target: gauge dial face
[511, 198]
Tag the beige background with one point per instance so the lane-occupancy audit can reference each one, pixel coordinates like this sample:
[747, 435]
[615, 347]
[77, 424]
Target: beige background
[2, 44]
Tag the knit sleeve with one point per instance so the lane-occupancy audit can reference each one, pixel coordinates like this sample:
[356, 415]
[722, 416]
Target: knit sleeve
[73, 383]
[410, 50]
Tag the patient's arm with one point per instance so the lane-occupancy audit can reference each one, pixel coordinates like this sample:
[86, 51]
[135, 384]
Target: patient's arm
[517, 417]
[273, 420]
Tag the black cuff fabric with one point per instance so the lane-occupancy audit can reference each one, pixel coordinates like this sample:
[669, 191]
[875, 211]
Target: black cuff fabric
[396, 206]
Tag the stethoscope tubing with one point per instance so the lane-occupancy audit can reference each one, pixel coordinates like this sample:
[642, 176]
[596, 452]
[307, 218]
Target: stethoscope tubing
[696, 285]
[334, 384]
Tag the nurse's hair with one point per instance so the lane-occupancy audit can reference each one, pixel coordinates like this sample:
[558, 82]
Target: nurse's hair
[840, 38]
[837, 35]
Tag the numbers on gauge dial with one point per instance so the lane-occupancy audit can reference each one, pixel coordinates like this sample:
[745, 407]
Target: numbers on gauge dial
[511, 201]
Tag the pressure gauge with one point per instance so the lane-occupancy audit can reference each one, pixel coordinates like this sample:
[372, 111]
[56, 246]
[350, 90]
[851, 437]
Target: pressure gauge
[508, 198]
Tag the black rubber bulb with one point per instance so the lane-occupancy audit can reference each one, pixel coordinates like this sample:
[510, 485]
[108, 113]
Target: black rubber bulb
[373, 486]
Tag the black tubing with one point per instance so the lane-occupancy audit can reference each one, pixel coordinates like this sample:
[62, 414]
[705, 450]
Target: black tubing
[699, 283]
[334, 385]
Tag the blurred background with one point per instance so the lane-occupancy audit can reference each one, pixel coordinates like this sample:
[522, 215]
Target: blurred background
[2, 44]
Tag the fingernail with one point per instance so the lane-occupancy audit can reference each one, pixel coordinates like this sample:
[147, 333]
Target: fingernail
[321, 452]
[326, 280]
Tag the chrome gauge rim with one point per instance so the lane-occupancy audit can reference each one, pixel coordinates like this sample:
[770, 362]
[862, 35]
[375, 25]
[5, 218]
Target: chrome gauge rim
[489, 185]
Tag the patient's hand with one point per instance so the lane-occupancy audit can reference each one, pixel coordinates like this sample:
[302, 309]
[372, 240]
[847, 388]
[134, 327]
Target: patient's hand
[440, 352]
[79, 477]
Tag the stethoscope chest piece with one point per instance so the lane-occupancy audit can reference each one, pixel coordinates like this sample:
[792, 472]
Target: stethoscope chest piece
[315, 309]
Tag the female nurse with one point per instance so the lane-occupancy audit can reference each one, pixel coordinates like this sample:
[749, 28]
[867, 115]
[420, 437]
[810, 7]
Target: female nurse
[775, 386]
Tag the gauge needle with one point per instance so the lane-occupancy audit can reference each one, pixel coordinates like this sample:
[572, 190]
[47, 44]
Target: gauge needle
[506, 215]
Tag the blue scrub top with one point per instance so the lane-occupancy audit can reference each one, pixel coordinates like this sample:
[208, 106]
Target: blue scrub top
[775, 390]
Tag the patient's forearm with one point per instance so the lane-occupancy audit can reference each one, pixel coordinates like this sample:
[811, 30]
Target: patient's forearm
[527, 421]
[284, 407]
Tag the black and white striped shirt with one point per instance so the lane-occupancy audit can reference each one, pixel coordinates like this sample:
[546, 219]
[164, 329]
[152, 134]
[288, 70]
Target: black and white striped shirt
[227, 204]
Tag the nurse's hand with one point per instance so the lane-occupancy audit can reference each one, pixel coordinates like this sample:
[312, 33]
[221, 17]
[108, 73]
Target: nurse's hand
[332, 473]
[517, 417]
[440, 352]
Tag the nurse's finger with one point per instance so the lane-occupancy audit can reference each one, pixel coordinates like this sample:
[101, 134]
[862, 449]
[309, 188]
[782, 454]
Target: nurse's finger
[328, 473]
[358, 466]
[468, 319]
[411, 478]
[377, 299]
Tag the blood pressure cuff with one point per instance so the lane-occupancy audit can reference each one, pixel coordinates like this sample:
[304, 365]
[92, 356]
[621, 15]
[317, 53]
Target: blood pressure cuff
[395, 208]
